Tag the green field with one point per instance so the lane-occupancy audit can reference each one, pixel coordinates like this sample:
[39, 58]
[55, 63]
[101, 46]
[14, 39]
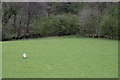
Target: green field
[58, 57]
[0, 60]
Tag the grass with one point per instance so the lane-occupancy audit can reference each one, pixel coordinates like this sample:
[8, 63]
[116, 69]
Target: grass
[58, 57]
[0, 60]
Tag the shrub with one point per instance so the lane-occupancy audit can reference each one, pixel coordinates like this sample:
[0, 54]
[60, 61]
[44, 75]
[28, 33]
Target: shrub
[55, 25]
[109, 25]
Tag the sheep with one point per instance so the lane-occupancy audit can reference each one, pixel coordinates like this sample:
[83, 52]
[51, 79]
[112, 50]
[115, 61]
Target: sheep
[24, 56]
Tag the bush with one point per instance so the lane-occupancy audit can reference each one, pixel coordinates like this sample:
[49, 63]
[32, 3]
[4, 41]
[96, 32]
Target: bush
[109, 25]
[55, 25]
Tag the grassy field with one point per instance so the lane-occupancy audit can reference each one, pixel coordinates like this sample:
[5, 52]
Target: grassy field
[0, 60]
[58, 57]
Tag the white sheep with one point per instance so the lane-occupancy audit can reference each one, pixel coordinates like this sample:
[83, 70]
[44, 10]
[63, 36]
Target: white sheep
[24, 56]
